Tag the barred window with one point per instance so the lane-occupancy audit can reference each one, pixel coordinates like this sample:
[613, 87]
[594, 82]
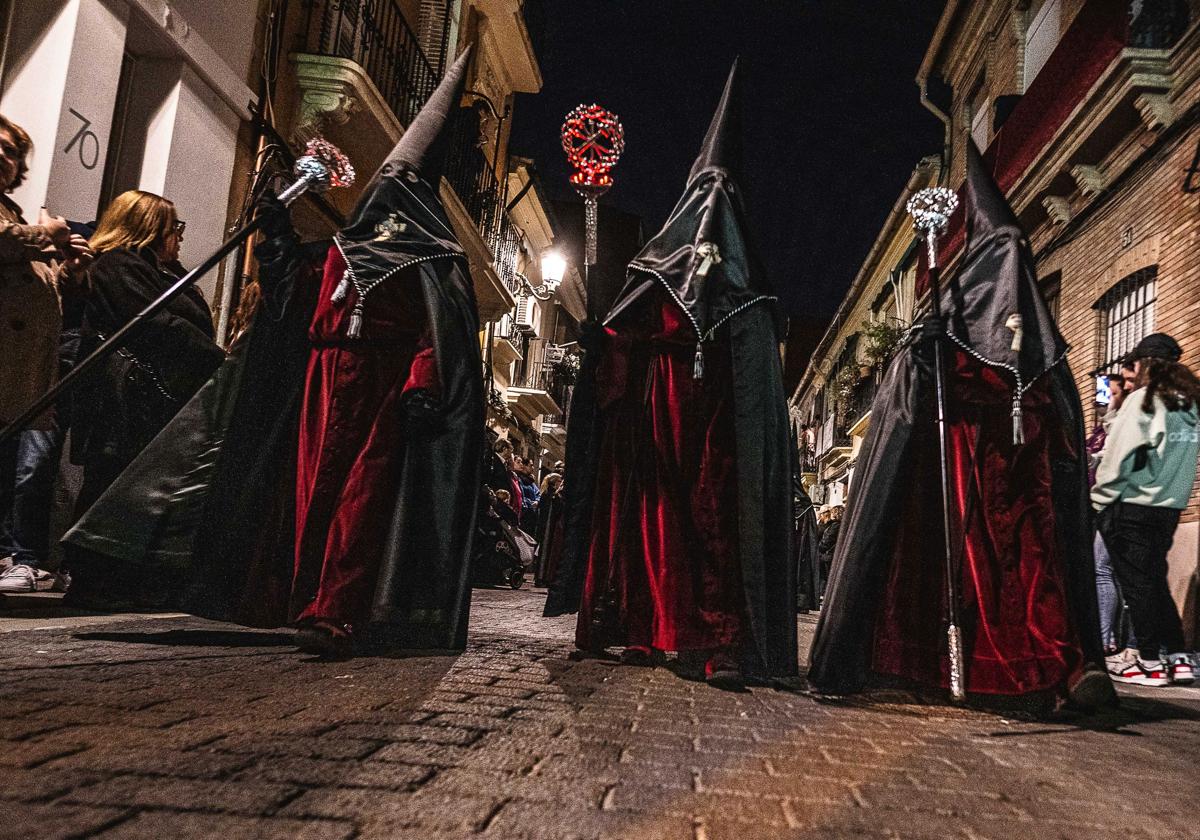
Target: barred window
[1127, 316]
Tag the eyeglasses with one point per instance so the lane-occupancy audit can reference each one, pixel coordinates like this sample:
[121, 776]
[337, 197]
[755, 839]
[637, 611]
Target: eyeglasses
[180, 226]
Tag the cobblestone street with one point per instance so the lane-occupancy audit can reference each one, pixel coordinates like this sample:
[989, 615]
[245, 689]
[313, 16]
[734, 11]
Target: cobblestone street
[175, 727]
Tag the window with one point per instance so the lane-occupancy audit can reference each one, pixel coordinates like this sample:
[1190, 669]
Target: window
[980, 123]
[1041, 38]
[1127, 316]
[1051, 287]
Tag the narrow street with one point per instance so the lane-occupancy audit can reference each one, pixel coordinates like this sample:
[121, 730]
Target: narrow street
[172, 727]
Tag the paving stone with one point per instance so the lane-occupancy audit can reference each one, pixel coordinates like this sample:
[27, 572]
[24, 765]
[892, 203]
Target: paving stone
[156, 825]
[305, 747]
[51, 822]
[184, 794]
[199, 764]
[309, 772]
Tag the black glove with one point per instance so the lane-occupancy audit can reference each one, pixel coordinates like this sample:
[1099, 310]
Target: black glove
[275, 219]
[932, 329]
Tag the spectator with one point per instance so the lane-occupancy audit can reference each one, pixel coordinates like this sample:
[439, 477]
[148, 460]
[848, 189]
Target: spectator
[1107, 591]
[827, 543]
[530, 494]
[38, 263]
[500, 473]
[160, 367]
[1143, 482]
[549, 527]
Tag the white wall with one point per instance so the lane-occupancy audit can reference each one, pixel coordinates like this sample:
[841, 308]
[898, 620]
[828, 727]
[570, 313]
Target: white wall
[179, 135]
[60, 86]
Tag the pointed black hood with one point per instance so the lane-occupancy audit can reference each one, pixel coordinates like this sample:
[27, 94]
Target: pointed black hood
[997, 281]
[400, 216]
[702, 255]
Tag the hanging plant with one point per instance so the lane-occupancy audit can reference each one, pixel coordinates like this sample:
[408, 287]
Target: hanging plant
[842, 384]
[566, 369]
[880, 340]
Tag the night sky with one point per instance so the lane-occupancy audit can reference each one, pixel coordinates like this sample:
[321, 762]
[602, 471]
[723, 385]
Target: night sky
[833, 123]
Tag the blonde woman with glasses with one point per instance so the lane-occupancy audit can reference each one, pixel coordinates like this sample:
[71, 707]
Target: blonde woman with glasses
[160, 366]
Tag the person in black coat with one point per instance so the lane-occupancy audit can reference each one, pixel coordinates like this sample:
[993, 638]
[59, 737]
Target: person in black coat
[157, 370]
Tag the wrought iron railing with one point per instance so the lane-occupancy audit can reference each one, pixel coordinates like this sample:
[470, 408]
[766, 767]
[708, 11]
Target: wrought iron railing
[862, 397]
[507, 251]
[474, 180]
[375, 35]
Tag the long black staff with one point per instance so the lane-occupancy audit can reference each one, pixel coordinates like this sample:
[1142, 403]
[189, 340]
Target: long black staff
[931, 209]
[322, 167]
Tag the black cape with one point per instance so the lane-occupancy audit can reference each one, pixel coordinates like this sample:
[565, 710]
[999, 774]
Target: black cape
[730, 303]
[220, 528]
[899, 453]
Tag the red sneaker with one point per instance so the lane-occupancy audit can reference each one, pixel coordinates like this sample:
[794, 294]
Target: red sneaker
[1140, 672]
[1181, 670]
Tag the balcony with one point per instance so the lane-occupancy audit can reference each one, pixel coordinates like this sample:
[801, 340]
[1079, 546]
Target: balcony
[857, 413]
[531, 394]
[506, 345]
[363, 60]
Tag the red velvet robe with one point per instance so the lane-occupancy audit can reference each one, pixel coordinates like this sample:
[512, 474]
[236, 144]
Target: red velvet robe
[352, 431]
[1017, 632]
[666, 504]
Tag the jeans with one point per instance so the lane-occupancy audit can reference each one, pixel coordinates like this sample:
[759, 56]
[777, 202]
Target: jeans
[1138, 539]
[29, 471]
[1108, 595]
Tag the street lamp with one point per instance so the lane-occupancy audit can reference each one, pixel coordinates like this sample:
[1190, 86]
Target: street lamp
[554, 267]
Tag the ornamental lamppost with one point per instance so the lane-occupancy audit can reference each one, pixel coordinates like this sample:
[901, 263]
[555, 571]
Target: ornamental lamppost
[593, 140]
[554, 267]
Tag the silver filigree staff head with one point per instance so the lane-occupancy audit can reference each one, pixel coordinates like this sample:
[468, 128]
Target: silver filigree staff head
[320, 167]
[931, 209]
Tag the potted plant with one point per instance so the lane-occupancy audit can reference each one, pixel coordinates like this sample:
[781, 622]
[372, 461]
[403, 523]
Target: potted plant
[841, 386]
[566, 369]
[880, 340]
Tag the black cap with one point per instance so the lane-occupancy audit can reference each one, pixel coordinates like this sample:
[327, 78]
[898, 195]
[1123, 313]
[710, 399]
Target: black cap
[1156, 346]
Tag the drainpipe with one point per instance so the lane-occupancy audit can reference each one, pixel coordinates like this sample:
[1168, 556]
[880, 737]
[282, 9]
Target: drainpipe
[947, 137]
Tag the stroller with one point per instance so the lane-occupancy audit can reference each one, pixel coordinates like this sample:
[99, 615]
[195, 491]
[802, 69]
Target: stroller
[497, 556]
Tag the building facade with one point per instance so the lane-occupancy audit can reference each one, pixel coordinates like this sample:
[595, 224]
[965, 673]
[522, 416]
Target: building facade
[124, 94]
[831, 407]
[202, 101]
[1088, 112]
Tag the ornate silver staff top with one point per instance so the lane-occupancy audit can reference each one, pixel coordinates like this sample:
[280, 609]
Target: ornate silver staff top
[931, 209]
[322, 166]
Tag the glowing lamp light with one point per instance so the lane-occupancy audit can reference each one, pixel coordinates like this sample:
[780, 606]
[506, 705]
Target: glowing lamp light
[554, 267]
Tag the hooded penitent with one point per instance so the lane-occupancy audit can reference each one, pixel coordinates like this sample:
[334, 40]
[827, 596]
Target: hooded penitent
[391, 430]
[678, 491]
[1018, 485]
[367, 521]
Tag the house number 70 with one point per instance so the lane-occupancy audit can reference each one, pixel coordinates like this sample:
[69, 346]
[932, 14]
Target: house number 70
[85, 138]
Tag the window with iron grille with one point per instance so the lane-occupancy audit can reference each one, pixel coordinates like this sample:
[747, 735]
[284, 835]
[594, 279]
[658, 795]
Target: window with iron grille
[1126, 316]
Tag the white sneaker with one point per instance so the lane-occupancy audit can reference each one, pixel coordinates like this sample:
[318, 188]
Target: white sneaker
[1140, 672]
[22, 578]
[1119, 661]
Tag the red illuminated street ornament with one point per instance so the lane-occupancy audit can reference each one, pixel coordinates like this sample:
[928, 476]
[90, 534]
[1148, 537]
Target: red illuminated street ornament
[593, 140]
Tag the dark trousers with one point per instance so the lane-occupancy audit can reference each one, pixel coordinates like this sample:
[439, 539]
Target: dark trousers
[1138, 539]
[25, 529]
[8, 483]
